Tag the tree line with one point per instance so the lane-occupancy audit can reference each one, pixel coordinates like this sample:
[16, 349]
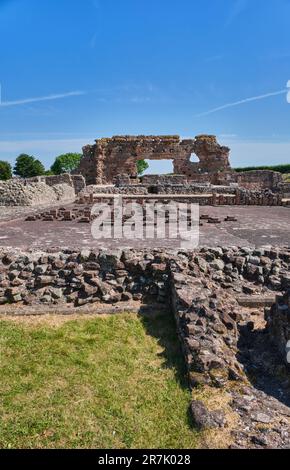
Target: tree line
[284, 169]
[27, 166]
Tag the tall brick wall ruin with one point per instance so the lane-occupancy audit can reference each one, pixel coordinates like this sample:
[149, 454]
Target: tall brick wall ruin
[110, 157]
[114, 161]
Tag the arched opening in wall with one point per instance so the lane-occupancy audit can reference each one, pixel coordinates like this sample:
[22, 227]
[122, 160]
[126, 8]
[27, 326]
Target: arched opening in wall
[159, 167]
[194, 158]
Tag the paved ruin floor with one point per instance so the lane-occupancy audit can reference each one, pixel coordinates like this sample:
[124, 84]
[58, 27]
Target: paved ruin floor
[255, 227]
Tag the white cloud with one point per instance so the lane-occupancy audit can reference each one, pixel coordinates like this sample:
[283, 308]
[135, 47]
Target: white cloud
[41, 98]
[240, 102]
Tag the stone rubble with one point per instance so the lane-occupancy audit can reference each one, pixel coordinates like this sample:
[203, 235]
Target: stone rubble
[239, 270]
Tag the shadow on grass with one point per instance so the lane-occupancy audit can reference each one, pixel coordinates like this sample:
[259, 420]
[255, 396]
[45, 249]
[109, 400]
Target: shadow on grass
[161, 325]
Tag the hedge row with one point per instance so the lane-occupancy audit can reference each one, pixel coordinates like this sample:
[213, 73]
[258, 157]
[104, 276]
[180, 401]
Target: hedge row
[279, 168]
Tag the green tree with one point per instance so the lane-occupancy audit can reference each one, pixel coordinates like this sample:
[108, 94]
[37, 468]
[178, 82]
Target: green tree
[142, 166]
[5, 171]
[28, 166]
[66, 163]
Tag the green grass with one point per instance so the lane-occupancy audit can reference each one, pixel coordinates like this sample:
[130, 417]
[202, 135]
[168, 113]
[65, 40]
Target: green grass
[106, 382]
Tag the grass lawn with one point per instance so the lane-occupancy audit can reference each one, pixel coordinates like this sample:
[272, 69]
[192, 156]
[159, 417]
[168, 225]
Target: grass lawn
[103, 382]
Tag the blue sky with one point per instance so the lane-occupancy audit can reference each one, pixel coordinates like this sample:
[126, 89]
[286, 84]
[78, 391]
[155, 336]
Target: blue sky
[105, 67]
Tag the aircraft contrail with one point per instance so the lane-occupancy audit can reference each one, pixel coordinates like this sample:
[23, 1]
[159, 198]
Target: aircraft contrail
[237, 103]
[41, 98]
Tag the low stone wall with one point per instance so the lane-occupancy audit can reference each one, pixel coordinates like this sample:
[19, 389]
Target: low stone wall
[82, 277]
[89, 276]
[149, 180]
[284, 189]
[41, 190]
[202, 195]
[131, 189]
[259, 179]
[213, 192]
[79, 183]
[207, 329]
[58, 179]
[278, 319]
[259, 197]
[18, 193]
[76, 181]
[64, 193]
[191, 189]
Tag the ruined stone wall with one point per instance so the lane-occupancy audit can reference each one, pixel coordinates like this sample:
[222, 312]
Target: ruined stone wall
[213, 158]
[34, 179]
[131, 189]
[191, 189]
[284, 188]
[76, 181]
[17, 193]
[124, 180]
[278, 320]
[258, 198]
[110, 157]
[79, 183]
[114, 160]
[204, 195]
[149, 180]
[87, 276]
[41, 190]
[258, 180]
[53, 180]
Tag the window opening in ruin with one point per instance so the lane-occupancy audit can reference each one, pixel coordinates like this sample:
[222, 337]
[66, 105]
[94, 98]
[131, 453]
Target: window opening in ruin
[194, 158]
[159, 167]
